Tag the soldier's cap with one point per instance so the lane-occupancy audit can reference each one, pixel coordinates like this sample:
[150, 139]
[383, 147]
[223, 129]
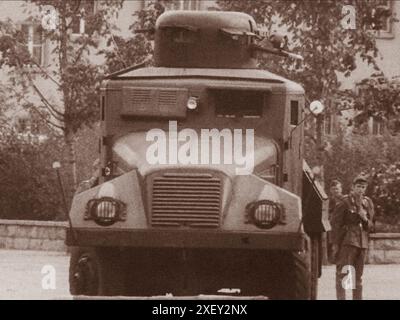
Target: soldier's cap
[360, 179]
[335, 183]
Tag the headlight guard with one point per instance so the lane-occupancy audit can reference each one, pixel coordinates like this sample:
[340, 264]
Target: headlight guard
[265, 214]
[105, 211]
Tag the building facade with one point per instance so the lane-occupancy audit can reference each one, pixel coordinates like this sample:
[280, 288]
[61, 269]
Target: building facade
[19, 13]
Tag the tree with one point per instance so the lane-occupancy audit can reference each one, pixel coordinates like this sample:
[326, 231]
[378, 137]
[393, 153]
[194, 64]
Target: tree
[3, 104]
[379, 97]
[385, 192]
[374, 156]
[71, 73]
[329, 48]
[28, 184]
[123, 52]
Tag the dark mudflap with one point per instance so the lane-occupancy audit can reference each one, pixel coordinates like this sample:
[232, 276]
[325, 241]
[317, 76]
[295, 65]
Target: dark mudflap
[315, 222]
[314, 204]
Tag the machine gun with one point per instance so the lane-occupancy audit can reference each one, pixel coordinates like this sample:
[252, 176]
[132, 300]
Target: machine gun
[275, 44]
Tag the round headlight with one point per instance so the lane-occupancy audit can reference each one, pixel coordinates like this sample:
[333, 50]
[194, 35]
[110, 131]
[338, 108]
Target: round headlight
[265, 214]
[106, 211]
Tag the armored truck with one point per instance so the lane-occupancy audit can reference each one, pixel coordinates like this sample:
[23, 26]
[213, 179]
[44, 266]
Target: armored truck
[203, 188]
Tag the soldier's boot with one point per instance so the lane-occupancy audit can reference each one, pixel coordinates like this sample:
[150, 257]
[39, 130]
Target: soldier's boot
[357, 293]
[340, 291]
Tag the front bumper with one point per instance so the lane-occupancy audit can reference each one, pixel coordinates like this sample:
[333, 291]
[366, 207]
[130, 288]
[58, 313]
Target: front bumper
[161, 238]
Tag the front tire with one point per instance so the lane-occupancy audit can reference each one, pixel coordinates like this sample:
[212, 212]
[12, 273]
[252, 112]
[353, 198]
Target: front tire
[96, 272]
[292, 280]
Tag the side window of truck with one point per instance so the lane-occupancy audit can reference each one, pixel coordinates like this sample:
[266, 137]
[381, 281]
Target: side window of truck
[294, 113]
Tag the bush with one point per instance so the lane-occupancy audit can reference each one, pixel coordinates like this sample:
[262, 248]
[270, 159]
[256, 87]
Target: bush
[385, 192]
[28, 184]
[29, 187]
[87, 150]
[375, 156]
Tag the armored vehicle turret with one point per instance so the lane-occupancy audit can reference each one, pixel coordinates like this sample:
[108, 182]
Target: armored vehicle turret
[205, 40]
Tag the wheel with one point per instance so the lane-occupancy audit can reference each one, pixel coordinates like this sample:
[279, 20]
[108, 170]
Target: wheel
[298, 272]
[301, 277]
[293, 278]
[96, 271]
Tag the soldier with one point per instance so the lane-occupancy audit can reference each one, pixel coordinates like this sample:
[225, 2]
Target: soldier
[335, 198]
[351, 224]
[335, 195]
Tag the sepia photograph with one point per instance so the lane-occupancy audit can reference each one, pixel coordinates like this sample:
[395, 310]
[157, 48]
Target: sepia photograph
[199, 155]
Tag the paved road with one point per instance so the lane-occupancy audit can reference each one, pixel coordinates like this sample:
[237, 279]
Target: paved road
[21, 277]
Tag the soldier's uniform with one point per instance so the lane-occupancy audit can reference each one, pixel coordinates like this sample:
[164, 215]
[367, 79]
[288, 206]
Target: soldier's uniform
[333, 202]
[351, 234]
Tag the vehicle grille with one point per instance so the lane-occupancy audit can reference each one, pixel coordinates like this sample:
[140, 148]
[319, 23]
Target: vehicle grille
[192, 200]
[167, 98]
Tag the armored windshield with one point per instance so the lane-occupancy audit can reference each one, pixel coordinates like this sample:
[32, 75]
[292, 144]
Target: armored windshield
[238, 103]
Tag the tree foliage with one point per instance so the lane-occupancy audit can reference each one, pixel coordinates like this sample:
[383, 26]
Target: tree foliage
[316, 33]
[71, 71]
[385, 190]
[374, 156]
[28, 184]
[28, 179]
[123, 52]
[379, 97]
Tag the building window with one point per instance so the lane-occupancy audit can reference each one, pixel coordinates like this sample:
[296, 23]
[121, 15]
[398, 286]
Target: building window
[86, 7]
[184, 5]
[194, 5]
[22, 125]
[33, 38]
[382, 18]
[294, 113]
[328, 124]
[27, 123]
[378, 127]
